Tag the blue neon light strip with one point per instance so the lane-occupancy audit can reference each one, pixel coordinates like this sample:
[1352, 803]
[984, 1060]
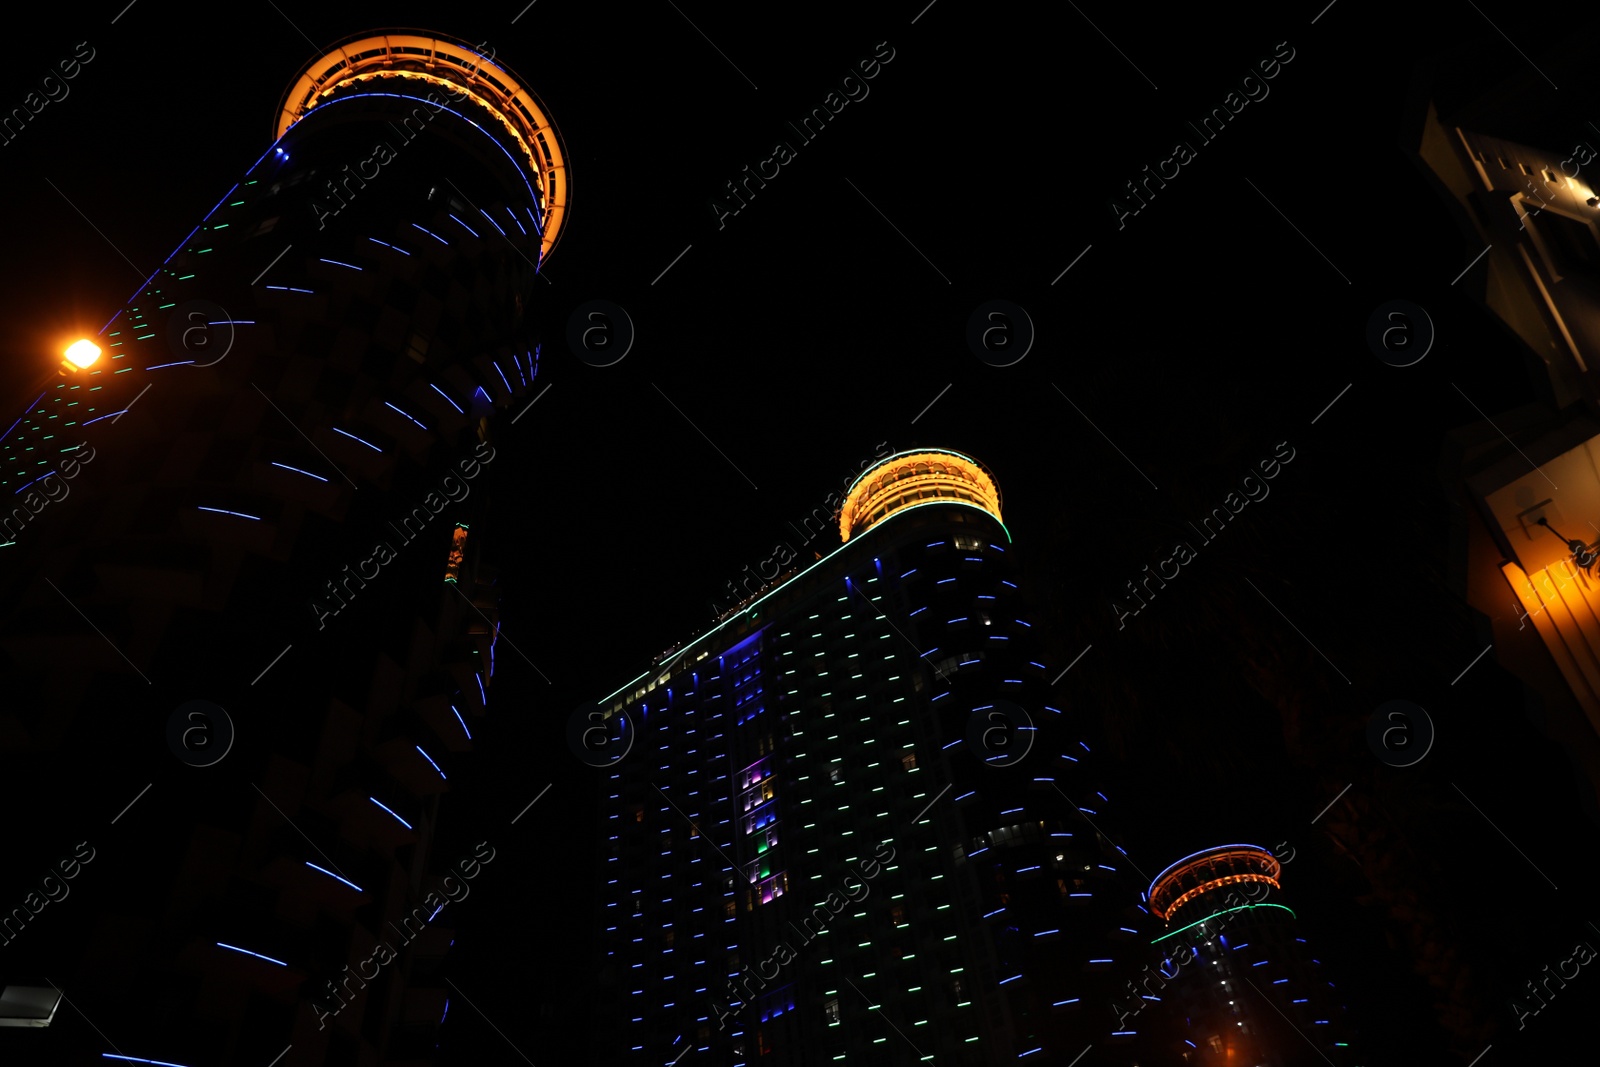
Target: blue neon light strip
[25, 411]
[430, 233]
[353, 437]
[41, 478]
[430, 760]
[447, 399]
[297, 470]
[390, 810]
[520, 167]
[330, 874]
[391, 407]
[247, 952]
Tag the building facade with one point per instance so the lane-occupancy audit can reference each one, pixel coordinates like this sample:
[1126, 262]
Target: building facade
[1236, 983]
[266, 494]
[1519, 173]
[852, 821]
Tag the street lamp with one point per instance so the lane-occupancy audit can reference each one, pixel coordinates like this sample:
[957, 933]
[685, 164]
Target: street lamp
[80, 355]
[1582, 554]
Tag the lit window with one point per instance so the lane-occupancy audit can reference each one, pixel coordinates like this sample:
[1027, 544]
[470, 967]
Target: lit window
[830, 1010]
[458, 545]
[909, 761]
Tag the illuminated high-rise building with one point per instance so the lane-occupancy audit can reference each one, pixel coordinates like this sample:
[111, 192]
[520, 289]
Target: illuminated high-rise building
[853, 823]
[1236, 983]
[264, 491]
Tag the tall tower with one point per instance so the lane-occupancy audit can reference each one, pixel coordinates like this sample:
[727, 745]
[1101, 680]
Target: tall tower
[850, 824]
[265, 494]
[1241, 987]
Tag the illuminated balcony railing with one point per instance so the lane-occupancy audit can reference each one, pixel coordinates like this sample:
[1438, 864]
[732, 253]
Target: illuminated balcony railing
[456, 66]
[1204, 872]
[913, 478]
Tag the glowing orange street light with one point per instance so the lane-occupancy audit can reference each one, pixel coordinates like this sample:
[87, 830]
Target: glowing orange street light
[82, 354]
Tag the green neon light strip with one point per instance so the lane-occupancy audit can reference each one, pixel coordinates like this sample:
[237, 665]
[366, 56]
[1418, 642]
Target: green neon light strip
[944, 500]
[1225, 911]
[752, 609]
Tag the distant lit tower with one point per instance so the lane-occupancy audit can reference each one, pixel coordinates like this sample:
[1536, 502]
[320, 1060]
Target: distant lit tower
[851, 809]
[1244, 991]
[261, 484]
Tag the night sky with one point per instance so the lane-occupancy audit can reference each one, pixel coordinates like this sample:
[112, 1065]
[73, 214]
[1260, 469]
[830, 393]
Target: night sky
[785, 347]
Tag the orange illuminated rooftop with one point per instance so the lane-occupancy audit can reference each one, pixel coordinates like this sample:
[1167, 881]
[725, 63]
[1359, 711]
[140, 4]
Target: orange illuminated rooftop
[424, 57]
[1201, 873]
[914, 478]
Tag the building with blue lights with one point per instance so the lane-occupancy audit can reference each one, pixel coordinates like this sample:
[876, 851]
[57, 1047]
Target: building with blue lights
[279, 451]
[854, 823]
[1238, 985]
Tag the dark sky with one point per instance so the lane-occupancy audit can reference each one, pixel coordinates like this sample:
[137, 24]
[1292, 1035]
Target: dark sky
[781, 349]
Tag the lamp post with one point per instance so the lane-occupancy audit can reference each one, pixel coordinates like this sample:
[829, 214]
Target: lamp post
[1582, 554]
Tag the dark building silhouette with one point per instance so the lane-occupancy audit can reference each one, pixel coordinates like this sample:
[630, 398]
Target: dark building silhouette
[1519, 172]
